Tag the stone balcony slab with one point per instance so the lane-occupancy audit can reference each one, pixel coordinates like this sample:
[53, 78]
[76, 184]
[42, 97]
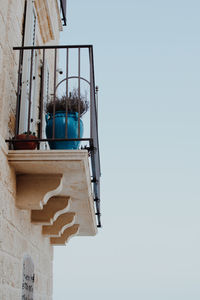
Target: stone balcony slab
[43, 176]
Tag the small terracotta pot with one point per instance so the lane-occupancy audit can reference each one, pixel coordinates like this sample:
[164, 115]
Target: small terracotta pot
[22, 145]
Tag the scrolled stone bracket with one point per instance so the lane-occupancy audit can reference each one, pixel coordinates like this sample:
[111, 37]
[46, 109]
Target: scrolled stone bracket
[34, 190]
[55, 207]
[39, 193]
[57, 228]
[66, 235]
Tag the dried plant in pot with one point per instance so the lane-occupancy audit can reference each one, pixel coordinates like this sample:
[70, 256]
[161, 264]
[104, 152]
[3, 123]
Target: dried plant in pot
[25, 145]
[68, 108]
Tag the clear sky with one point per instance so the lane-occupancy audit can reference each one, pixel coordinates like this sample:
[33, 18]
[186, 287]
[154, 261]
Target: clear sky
[147, 66]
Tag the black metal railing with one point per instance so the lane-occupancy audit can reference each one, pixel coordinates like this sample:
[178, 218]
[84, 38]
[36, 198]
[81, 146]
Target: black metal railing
[44, 73]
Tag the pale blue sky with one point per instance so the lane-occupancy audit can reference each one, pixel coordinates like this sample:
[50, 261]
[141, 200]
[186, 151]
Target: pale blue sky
[147, 66]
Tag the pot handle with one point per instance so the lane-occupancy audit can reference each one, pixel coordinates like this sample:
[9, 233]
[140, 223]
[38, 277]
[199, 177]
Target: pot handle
[47, 117]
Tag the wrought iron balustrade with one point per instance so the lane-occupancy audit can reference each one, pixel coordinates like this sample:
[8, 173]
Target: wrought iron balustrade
[47, 72]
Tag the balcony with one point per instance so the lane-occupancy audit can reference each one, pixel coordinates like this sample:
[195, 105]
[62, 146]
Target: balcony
[57, 177]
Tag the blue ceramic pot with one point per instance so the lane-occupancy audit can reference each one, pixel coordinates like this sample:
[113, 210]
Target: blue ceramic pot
[72, 130]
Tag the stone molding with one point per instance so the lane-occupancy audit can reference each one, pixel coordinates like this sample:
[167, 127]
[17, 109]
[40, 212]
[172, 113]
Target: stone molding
[44, 20]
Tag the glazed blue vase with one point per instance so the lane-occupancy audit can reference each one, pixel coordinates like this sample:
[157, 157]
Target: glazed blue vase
[72, 130]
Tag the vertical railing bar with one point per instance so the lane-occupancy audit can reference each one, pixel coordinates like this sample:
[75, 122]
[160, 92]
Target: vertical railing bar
[30, 91]
[94, 135]
[79, 88]
[42, 95]
[97, 101]
[95, 113]
[67, 91]
[18, 92]
[91, 135]
[54, 93]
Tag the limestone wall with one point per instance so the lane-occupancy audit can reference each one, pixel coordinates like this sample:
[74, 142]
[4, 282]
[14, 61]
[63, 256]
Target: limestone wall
[18, 236]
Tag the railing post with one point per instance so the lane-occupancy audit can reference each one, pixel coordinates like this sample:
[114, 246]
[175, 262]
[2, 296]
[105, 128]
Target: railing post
[94, 136]
[91, 92]
[67, 92]
[18, 92]
[54, 92]
[79, 88]
[97, 101]
[42, 96]
[30, 91]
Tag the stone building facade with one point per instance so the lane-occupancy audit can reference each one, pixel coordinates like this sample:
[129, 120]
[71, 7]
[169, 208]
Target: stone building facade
[18, 236]
[46, 196]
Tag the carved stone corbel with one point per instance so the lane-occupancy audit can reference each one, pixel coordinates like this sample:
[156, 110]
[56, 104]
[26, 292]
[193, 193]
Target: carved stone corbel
[34, 190]
[55, 207]
[66, 235]
[57, 228]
